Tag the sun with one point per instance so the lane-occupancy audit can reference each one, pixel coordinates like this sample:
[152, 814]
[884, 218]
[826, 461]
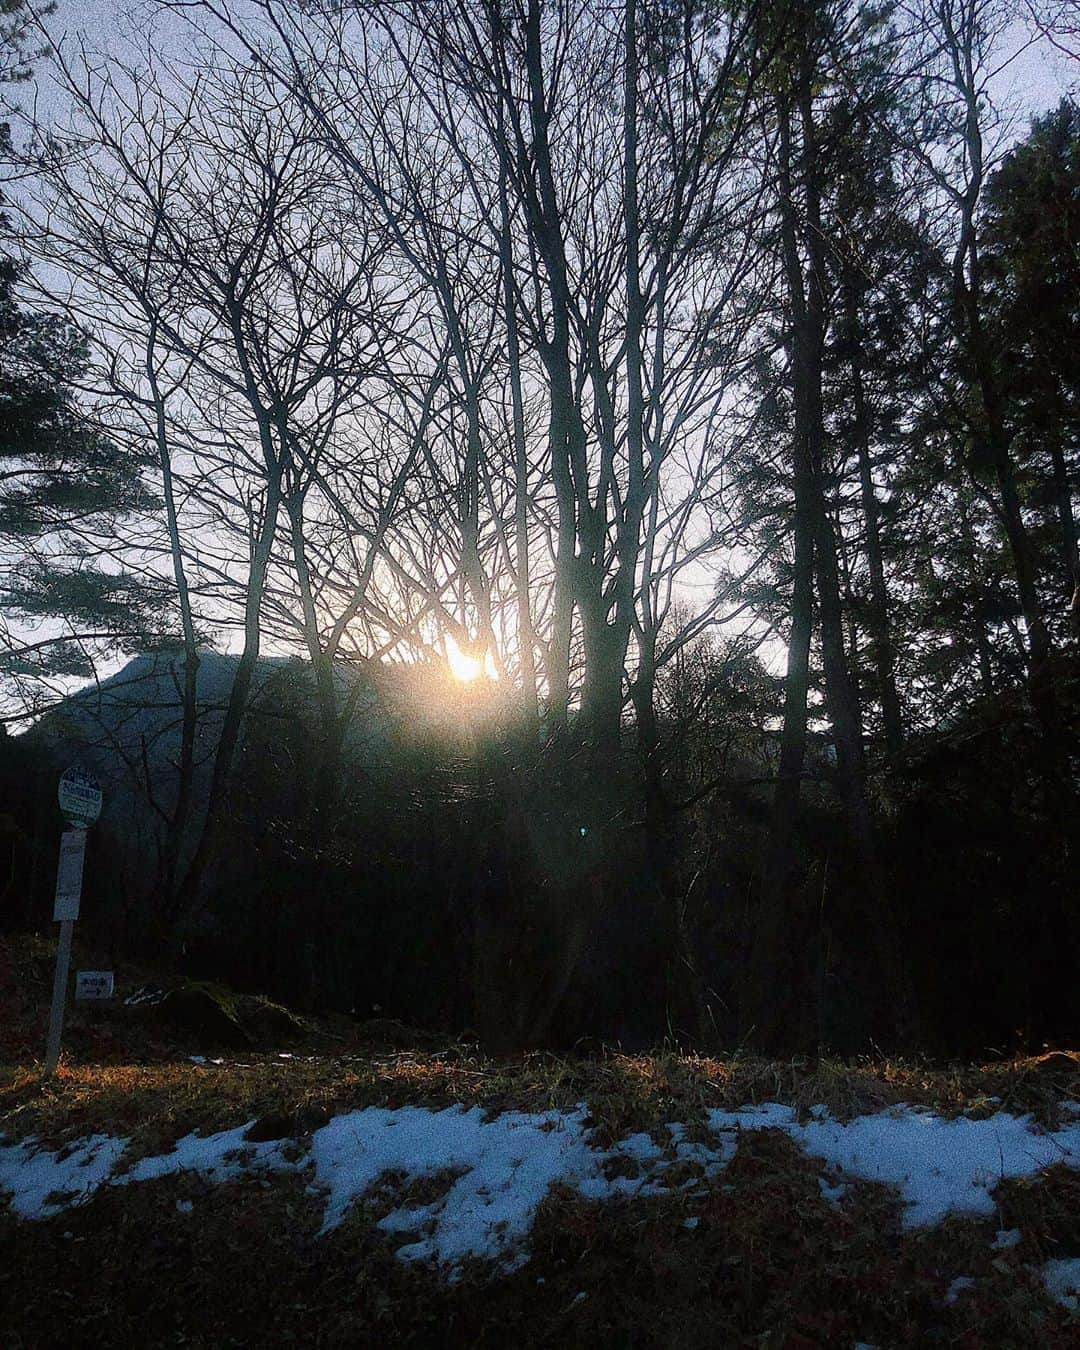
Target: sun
[467, 668]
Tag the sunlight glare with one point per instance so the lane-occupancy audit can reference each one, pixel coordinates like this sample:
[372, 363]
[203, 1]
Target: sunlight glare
[465, 667]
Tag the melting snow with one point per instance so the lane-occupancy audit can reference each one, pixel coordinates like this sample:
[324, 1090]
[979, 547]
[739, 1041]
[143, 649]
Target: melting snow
[959, 1286]
[1062, 1279]
[506, 1167]
[939, 1166]
[490, 1174]
[42, 1184]
[217, 1157]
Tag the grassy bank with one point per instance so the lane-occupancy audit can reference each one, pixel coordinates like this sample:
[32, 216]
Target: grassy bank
[760, 1253]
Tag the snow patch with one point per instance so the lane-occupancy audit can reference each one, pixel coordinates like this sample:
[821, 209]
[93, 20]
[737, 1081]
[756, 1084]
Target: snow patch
[712, 1158]
[1062, 1280]
[41, 1183]
[832, 1193]
[505, 1168]
[939, 1166]
[217, 1157]
[495, 1172]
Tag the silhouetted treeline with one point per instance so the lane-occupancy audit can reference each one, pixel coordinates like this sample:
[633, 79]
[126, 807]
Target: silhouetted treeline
[468, 879]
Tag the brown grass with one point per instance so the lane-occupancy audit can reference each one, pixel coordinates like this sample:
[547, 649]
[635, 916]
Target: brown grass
[159, 1102]
[767, 1263]
[764, 1262]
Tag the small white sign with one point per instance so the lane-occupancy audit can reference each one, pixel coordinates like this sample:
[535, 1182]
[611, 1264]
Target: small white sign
[93, 984]
[69, 875]
[79, 795]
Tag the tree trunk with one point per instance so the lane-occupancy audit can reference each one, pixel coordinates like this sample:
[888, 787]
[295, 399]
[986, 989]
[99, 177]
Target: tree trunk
[1067, 521]
[181, 815]
[970, 328]
[841, 696]
[769, 1004]
[526, 635]
[264, 533]
[880, 633]
[816, 561]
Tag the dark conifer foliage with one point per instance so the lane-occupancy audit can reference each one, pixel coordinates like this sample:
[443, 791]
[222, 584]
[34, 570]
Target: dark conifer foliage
[64, 481]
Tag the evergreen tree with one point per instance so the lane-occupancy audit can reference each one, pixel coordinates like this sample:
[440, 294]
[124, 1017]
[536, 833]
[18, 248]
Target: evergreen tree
[63, 482]
[1031, 230]
[826, 48]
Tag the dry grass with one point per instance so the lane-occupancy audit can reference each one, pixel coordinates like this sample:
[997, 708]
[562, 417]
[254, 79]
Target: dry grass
[764, 1262]
[157, 1103]
[756, 1258]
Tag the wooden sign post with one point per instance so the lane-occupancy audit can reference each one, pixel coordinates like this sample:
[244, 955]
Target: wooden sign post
[80, 801]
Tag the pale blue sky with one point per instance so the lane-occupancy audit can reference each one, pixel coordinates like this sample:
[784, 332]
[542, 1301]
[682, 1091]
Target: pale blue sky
[1037, 78]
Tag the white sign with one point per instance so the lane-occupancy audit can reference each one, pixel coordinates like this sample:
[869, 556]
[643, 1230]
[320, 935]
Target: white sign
[79, 795]
[93, 984]
[69, 872]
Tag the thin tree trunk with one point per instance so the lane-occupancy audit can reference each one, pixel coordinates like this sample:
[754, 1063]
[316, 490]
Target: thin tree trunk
[327, 765]
[239, 692]
[1067, 521]
[526, 635]
[235, 708]
[769, 1007]
[556, 358]
[967, 300]
[177, 828]
[983, 649]
[880, 629]
[840, 693]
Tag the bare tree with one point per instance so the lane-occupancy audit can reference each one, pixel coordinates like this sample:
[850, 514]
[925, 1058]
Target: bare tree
[202, 237]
